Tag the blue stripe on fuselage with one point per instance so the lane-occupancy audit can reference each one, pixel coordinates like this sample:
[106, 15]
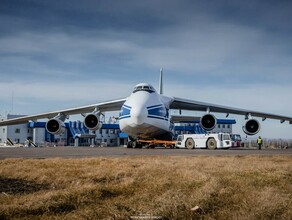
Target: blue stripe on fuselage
[154, 111]
[125, 112]
[154, 106]
[158, 112]
[156, 117]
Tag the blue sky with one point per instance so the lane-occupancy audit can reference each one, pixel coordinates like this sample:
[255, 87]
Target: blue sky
[67, 53]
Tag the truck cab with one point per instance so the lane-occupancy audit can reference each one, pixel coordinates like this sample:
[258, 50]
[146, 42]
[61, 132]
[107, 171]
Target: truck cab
[235, 140]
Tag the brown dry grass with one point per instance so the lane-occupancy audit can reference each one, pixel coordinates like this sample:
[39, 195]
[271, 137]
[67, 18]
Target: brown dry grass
[251, 187]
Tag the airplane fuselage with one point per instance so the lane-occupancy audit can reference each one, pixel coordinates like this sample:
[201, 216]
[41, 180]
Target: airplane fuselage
[145, 114]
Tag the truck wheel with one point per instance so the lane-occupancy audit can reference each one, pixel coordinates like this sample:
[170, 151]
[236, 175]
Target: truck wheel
[211, 144]
[190, 143]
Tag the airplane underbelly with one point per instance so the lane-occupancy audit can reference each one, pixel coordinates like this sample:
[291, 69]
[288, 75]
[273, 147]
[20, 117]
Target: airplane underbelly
[150, 128]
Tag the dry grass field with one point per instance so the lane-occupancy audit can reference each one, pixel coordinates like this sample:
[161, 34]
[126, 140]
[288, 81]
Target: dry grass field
[240, 187]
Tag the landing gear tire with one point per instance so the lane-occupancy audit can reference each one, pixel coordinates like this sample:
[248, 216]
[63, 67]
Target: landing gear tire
[190, 144]
[211, 144]
[136, 144]
[151, 146]
[129, 144]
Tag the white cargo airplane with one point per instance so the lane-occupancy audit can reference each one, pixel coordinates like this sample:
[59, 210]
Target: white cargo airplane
[145, 115]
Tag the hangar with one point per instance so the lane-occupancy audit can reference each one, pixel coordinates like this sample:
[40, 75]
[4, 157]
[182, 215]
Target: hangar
[76, 134]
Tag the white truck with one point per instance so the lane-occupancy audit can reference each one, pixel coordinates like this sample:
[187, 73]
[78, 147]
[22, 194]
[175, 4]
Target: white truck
[209, 141]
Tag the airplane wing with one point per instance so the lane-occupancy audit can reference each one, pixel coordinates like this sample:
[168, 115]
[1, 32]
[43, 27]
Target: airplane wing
[103, 107]
[182, 118]
[185, 104]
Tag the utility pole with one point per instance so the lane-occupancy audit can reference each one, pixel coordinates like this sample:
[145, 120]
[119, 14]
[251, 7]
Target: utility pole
[12, 102]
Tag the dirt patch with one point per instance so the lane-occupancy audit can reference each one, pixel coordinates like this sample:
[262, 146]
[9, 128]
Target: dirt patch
[19, 186]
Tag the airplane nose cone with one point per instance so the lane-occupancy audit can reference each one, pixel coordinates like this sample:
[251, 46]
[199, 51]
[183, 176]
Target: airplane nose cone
[138, 115]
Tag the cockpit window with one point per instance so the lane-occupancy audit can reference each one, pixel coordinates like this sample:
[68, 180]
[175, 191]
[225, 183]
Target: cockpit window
[144, 88]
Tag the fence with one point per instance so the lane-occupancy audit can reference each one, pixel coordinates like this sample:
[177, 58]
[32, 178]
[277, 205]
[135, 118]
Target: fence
[269, 144]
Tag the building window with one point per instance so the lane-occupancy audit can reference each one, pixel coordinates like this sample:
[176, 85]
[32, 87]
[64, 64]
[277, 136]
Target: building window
[3, 130]
[0, 140]
[228, 126]
[223, 126]
[17, 130]
[218, 126]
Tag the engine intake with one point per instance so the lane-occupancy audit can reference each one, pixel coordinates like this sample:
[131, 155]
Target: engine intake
[251, 127]
[92, 122]
[55, 126]
[208, 122]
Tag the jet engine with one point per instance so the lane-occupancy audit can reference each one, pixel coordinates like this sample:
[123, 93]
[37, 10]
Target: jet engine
[55, 126]
[92, 122]
[251, 127]
[208, 122]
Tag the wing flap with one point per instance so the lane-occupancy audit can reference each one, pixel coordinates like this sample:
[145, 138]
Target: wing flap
[181, 118]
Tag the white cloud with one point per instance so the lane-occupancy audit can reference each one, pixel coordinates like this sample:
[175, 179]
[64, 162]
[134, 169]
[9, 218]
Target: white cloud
[31, 98]
[212, 48]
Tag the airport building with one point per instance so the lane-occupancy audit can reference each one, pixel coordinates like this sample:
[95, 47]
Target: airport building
[15, 133]
[76, 134]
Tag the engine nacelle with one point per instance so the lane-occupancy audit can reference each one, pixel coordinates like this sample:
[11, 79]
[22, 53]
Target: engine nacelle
[208, 122]
[251, 127]
[55, 126]
[92, 122]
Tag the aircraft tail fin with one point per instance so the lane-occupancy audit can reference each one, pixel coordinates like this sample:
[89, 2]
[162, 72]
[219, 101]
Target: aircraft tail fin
[161, 82]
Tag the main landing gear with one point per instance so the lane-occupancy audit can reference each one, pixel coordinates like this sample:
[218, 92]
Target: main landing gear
[134, 144]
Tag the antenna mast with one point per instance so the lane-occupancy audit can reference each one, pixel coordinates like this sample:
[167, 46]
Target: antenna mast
[12, 102]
